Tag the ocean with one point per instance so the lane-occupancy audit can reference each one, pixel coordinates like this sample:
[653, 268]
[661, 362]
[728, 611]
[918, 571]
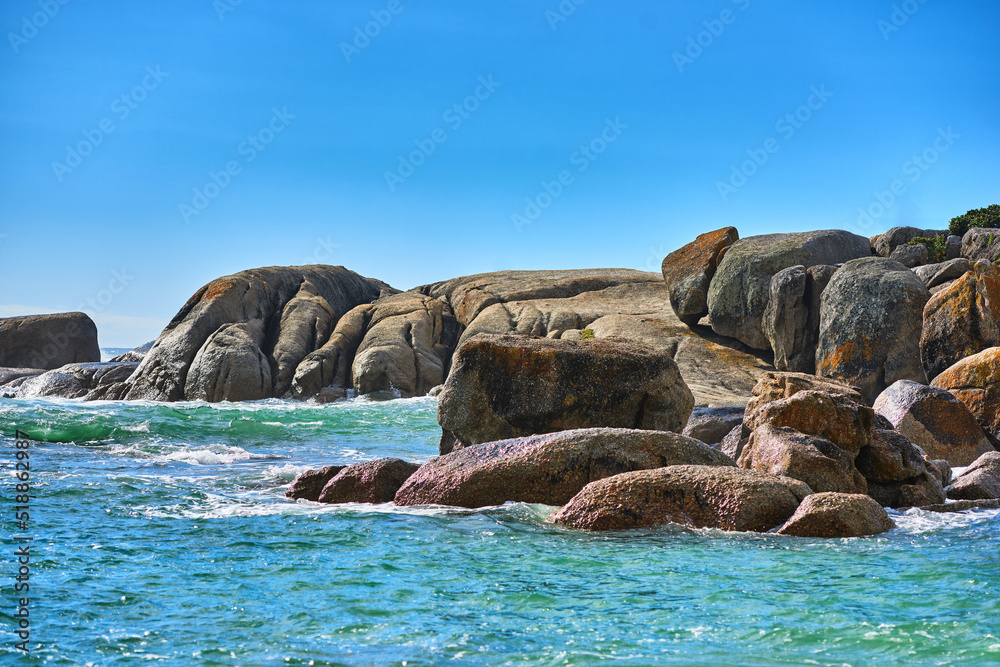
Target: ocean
[161, 535]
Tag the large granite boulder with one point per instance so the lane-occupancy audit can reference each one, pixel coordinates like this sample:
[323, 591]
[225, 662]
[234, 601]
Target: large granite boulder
[688, 272]
[839, 418]
[244, 335]
[932, 275]
[981, 243]
[309, 484]
[934, 420]
[369, 482]
[871, 318]
[975, 381]
[791, 319]
[814, 460]
[980, 481]
[548, 469]
[962, 319]
[505, 386]
[691, 495]
[898, 473]
[740, 291]
[837, 515]
[48, 341]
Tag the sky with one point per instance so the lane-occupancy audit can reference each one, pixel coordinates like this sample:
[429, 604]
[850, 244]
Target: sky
[149, 148]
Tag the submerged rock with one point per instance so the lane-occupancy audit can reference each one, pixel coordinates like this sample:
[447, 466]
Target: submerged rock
[837, 515]
[309, 485]
[688, 272]
[369, 482]
[48, 342]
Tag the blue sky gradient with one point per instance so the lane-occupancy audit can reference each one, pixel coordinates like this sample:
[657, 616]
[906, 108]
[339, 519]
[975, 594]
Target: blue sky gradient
[621, 122]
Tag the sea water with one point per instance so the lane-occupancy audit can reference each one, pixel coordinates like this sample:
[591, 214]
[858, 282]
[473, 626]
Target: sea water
[162, 536]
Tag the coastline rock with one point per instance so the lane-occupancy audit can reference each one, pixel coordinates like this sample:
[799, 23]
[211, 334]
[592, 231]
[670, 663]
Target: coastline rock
[90, 381]
[962, 320]
[740, 290]
[816, 461]
[369, 482]
[548, 469]
[688, 272]
[838, 418]
[8, 375]
[230, 366]
[980, 481]
[870, 324]
[691, 495]
[975, 381]
[136, 354]
[309, 484]
[910, 256]
[837, 515]
[775, 385]
[791, 319]
[897, 472]
[48, 342]
[505, 386]
[934, 420]
[981, 243]
[932, 275]
[710, 425]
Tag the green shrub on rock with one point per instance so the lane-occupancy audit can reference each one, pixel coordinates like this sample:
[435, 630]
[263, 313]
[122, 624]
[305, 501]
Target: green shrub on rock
[937, 247]
[988, 216]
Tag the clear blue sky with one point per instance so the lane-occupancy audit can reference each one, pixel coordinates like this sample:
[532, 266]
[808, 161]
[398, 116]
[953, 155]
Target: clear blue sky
[184, 85]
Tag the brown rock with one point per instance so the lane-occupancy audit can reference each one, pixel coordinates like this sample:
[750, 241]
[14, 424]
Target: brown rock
[814, 460]
[980, 481]
[775, 385]
[309, 484]
[836, 417]
[688, 272]
[837, 515]
[696, 496]
[975, 381]
[369, 482]
[548, 469]
[897, 472]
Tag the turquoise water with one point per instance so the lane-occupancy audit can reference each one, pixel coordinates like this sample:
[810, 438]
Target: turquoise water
[162, 536]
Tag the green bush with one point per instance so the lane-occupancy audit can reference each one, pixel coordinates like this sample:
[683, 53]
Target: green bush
[937, 247]
[977, 217]
[587, 333]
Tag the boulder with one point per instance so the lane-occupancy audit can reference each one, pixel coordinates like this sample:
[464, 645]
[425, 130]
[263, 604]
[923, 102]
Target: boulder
[837, 515]
[90, 381]
[962, 320]
[326, 373]
[953, 247]
[871, 317]
[791, 319]
[740, 291]
[710, 425]
[231, 366]
[980, 481]
[814, 460]
[981, 243]
[309, 484]
[934, 420]
[964, 505]
[975, 381]
[8, 375]
[688, 272]
[505, 386]
[548, 469]
[369, 482]
[897, 472]
[932, 275]
[910, 255]
[48, 342]
[884, 244]
[773, 386]
[691, 495]
[732, 443]
[839, 418]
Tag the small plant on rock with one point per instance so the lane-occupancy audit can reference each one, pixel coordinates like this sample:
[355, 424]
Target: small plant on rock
[937, 247]
[587, 333]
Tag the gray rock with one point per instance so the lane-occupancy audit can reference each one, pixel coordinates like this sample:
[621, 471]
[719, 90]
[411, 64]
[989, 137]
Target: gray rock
[980, 481]
[688, 272]
[91, 380]
[740, 290]
[733, 443]
[910, 255]
[231, 366]
[953, 247]
[48, 341]
[814, 460]
[886, 243]
[898, 473]
[8, 375]
[871, 318]
[710, 425]
[791, 319]
[932, 275]
[981, 243]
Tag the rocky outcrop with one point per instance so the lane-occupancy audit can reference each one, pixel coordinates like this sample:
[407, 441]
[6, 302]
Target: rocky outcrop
[932, 275]
[975, 381]
[244, 335]
[910, 256]
[980, 481]
[837, 515]
[883, 245]
[369, 482]
[688, 272]
[548, 469]
[88, 381]
[47, 342]
[791, 319]
[934, 420]
[962, 320]
[710, 425]
[695, 496]
[981, 243]
[871, 317]
[308, 485]
[814, 460]
[898, 474]
[838, 418]
[740, 291]
[505, 386]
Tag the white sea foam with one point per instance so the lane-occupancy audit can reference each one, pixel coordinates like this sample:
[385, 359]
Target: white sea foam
[214, 455]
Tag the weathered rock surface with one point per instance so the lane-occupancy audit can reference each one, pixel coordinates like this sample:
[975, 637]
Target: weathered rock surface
[774, 385]
[934, 420]
[884, 244]
[837, 515]
[231, 366]
[953, 247]
[505, 386]
[791, 319]
[688, 272]
[548, 469]
[8, 375]
[732, 443]
[136, 354]
[740, 291]
[90, 381]
[975, 381]
[871, 318]
[48, 341]
[696, 496]
[814, 460]
[981, 243]
[369, 482]
[980, 481]
[839, 418]
[710, 425]
[962, 320]
[932, 275]
[309, 485]
[910, 255]
[897, 472]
